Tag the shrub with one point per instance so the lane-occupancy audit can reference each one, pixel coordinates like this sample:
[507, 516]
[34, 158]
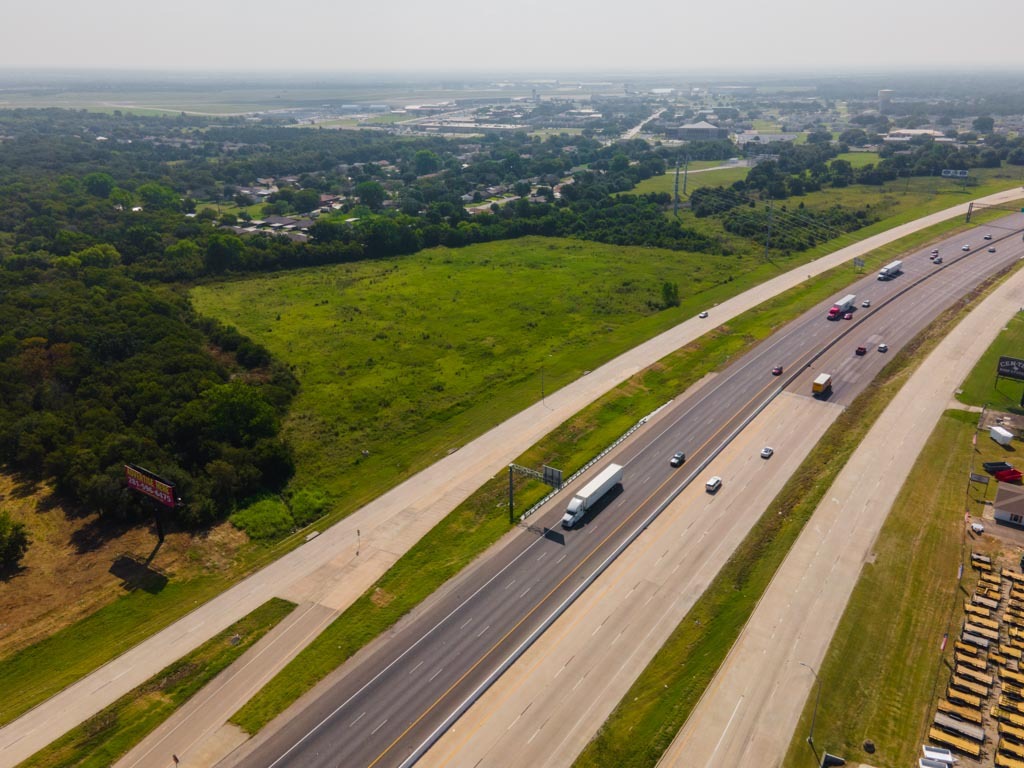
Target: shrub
[266, 519]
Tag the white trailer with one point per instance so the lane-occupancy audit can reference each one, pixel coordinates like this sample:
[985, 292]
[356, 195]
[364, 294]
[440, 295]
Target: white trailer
[890, 270]
[586, 497]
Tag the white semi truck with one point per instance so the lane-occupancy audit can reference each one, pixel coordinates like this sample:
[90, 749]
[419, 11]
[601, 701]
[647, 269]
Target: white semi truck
[890, 271]
[586, 497]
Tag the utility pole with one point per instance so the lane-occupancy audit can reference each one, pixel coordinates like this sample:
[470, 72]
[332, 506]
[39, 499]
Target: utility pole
[814, 715]
[768, 238]
[675, 195]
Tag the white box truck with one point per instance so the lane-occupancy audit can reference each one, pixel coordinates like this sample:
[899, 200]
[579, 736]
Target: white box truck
[586, 497]
[890, 270]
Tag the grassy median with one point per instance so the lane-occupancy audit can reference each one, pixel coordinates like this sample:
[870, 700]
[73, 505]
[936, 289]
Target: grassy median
[107, 736]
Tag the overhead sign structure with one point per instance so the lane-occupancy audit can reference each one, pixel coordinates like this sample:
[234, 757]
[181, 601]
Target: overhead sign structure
[1011, 368]
[154, 486]
[954, 173]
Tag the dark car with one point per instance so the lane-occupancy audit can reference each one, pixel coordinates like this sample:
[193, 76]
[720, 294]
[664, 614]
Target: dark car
[862, 350]
[777, 370]
[996, 466]
[677, 459]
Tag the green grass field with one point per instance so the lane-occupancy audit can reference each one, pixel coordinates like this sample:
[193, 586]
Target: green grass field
[859, 159]
[105, 737]
[667, 182]
[41, 670]
[410, 358]
[982, 387]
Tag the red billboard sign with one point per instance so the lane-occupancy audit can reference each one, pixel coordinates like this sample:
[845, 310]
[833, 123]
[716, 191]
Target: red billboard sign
[144, 481]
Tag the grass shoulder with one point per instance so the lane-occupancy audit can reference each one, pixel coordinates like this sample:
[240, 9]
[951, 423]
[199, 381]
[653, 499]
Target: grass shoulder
[105, 737]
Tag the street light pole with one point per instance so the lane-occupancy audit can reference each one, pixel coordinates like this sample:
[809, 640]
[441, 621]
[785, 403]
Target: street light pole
[814, 714]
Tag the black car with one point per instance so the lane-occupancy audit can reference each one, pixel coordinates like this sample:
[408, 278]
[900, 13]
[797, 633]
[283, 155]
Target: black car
[677, 459]
[996, 466]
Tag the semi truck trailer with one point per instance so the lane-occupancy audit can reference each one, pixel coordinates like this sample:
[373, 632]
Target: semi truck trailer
[589, 495]
[890, 271]
[841, 307]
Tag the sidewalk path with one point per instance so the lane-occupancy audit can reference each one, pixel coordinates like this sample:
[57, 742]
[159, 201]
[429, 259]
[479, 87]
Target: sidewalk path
[331, 571]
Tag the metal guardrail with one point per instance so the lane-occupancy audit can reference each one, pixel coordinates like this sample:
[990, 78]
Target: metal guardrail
[592, 462]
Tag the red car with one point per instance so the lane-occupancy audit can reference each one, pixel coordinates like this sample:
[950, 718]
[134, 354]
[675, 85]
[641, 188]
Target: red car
[777, 370]
[1009, 476]
[862, 350]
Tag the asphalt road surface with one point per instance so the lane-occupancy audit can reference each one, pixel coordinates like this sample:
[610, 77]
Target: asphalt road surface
[385, 709]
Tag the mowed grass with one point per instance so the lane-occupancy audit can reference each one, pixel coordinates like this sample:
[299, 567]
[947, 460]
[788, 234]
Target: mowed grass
[662, 698]
[859, 159]
[112, 732]
[982, 387]
[408, 359]
[667, 182]
[41, 670]
[886, 653]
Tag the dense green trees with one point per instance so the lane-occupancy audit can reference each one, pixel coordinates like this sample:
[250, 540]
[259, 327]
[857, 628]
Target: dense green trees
[96, 371]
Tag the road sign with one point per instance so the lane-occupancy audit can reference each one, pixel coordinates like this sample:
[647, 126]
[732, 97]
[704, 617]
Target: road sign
[1011, 368]
[976, 478]
[954, 172]
[858, 263]
[552, 476]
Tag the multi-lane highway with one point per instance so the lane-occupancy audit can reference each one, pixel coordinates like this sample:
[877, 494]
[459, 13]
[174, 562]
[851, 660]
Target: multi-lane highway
[390, 703]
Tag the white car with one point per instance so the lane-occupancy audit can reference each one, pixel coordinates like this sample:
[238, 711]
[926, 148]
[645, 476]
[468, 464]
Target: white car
[713, 484]
[866, 303]
[702, 314]
[988, 237]
[883, 347]
[766, 452]
[965, 247]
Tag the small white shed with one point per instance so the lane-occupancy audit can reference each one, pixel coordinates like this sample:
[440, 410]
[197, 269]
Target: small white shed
[1000, 435]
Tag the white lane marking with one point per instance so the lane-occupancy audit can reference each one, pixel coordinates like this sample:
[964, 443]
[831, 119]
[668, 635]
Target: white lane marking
[383, 722]
[726, 730]
[416, 667]
[361, 715]
[435, 674]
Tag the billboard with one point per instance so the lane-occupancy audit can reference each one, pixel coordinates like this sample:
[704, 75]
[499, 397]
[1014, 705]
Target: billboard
[144, 481]
[1011, 368]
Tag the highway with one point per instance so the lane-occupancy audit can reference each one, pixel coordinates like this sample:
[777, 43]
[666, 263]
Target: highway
[391, 701]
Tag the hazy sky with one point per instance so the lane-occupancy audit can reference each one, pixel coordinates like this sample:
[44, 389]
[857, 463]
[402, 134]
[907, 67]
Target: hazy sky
[520, 35]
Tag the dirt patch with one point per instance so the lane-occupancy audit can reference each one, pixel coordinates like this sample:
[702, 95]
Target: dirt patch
[78, 563]
[381, 598]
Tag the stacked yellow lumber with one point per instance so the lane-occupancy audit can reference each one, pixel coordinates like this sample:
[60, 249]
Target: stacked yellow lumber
[956, 742]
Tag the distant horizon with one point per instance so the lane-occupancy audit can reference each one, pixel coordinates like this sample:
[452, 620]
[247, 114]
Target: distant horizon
[458, 37]
[741, 76]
